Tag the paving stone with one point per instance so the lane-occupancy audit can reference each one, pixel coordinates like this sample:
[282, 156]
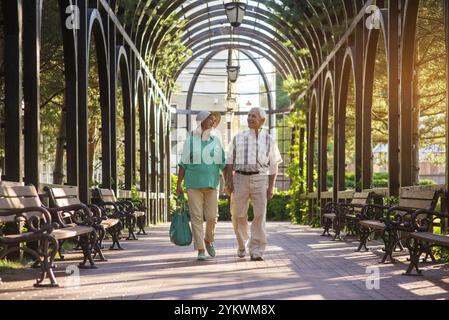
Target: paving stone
[299, 264]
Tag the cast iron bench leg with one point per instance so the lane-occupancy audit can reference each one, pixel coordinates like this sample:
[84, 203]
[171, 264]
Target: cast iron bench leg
[326, 225]
[47, 262]
[415, 252]
[364, 234]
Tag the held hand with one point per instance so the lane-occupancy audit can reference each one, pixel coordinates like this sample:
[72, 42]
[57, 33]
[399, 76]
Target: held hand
[270, 192]
[229, 188]
[179, 190]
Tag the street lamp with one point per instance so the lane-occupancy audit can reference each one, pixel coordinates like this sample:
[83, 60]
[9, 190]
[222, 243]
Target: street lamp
[235, 11]
[233, 72]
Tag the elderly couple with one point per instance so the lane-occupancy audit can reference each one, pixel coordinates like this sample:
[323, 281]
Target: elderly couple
[250, 172]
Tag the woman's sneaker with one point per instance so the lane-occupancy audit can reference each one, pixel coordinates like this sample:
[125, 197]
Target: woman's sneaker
[201, 257]
[210, 249]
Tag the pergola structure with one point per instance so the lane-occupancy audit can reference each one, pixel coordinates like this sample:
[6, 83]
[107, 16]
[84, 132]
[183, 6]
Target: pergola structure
[130, 46]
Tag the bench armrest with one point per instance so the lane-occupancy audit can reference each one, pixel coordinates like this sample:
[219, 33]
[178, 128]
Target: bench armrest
[86, 216]
[373, 212]
[32, 222]
[127, 205]
[422, 219]
[399, 217]
[97, 213]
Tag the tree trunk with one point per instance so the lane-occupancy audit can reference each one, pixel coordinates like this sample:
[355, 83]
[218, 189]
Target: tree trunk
[415, 119]
[58, 173]
[91, 148]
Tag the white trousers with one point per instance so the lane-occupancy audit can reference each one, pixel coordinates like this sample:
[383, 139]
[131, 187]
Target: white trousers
[250, 188]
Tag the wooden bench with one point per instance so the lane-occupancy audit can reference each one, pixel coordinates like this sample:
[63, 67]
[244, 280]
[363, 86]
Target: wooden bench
[394, 221]
[64, 196]
[105, 199]
[422, 240]
[21, 205]
[341, 214]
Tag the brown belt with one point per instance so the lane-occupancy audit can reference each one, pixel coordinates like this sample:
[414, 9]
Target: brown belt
[247, 173]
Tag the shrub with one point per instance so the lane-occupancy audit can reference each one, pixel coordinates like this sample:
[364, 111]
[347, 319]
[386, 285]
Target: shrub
[276, 209]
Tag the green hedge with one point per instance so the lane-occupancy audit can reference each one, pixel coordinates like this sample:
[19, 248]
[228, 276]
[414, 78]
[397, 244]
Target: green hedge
[276, 209]
[380, 180]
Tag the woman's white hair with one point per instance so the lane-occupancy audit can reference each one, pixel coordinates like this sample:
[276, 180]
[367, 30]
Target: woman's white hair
[261, 112]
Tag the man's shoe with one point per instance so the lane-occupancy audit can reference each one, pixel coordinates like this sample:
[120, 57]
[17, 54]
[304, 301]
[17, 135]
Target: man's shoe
[241, 253]
[201, 257]
[210, 249]
[256, 258]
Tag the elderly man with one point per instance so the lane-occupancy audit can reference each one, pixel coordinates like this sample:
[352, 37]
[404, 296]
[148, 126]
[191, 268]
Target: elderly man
[251, 171]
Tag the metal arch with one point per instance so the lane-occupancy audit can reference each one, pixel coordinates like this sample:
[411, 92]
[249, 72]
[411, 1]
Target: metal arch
[262, 11]
[123, 66]
[166, 9]
[217, 11]
[147, 23]
[384, 28]
[151, 38]
[313, 115]
[142, 116]
[95, 27]
[264, 78]
[227, 30]
[92, 16]
[205, 2]
[70, 76]
[202, 2]
[300, 40]
[329, 90]
[347, 68]
[207, 59]
[139, 78]
[197, 73]
[279, 67]
[250, 43]
[213, 34]
[121, 60]
[314, 45]
[286, 28]
[408, 169]
[368, 82]
[327, 35]
[321, 39]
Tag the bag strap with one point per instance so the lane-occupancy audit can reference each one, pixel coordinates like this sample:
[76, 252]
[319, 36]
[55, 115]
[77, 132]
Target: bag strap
[182, 201]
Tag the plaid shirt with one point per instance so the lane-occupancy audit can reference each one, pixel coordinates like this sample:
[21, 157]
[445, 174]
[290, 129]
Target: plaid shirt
[254, 155]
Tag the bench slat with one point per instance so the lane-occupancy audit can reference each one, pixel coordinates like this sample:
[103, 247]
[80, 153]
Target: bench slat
[18, 191]
[65, 192]
[415, 203]
[361, 195]
[415, 194]
[359, 201]
[66, 202]
[438, 239]
[11, 203]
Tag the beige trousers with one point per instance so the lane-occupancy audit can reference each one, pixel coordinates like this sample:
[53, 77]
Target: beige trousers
[250, 188]
[203, 205]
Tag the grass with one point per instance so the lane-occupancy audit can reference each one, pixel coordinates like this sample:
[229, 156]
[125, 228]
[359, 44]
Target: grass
[9, 266]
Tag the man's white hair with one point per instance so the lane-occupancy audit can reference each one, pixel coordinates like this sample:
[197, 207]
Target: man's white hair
[261, 112]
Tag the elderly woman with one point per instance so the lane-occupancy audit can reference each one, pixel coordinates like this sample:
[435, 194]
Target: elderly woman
[201, 165]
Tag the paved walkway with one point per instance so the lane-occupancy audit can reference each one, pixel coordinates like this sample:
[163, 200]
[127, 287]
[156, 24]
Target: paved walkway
[299, 264]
